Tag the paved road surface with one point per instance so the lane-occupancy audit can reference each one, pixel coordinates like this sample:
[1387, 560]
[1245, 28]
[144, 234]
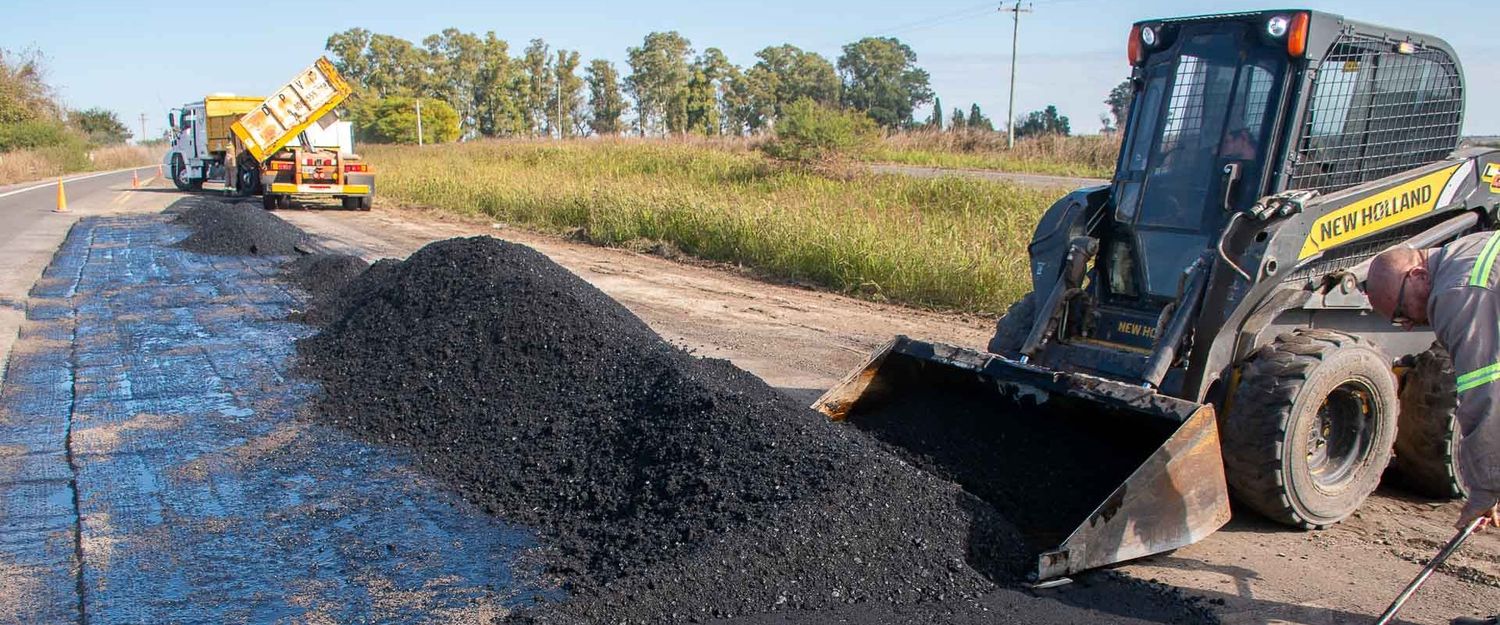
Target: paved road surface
[1033, 180]
[30, 231]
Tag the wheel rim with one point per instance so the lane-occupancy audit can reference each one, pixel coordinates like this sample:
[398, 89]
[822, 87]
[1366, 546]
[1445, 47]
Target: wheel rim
[1341, 435]
[179, 172]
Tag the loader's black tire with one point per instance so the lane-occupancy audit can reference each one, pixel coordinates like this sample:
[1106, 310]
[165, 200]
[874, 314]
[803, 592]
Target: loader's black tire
[180, 176]
[1310, 427]
[1011, 329]
[1427, 439]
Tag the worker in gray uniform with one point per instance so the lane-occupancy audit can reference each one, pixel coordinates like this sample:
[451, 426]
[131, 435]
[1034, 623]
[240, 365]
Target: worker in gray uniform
[1454, 289]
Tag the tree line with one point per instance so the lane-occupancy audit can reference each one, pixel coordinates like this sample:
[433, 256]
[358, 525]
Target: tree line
[474, 85]
[666, 86]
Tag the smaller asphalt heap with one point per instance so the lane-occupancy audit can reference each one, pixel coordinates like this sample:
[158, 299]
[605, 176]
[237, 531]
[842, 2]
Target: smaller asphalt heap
[235, 228]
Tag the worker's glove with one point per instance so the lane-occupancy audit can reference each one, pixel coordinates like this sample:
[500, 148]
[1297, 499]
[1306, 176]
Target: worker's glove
[1480, 504]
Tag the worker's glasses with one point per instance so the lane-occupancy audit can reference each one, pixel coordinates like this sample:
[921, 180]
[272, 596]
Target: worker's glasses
[1398, 316]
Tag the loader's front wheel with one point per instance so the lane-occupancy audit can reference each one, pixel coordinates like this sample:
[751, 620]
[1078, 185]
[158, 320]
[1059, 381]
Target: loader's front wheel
[1310, 427]
[1012, 328]
[1427, 442]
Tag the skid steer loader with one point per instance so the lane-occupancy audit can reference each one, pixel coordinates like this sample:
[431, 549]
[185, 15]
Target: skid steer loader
[1198, 327]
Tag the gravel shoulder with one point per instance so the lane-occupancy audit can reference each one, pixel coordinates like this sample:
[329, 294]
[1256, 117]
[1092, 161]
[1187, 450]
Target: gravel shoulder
[803, 341]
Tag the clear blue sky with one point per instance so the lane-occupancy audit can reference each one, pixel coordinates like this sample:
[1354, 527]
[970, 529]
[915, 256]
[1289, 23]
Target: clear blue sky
[145, 57]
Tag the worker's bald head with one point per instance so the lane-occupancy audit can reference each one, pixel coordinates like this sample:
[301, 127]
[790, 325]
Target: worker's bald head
[1383, 285]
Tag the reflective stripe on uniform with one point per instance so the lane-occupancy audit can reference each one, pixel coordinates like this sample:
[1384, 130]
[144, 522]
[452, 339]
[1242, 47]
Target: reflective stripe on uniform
[1480, 274]
[1479, 377]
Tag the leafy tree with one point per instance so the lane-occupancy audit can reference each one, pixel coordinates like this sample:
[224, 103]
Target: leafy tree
[394, 120]
[565, 111]
[1119, 101]
[706, 108]
[977, 120]
[396, 67]
[350, 57]
[658, 81]
[24, 92]
[1043, 122]
[537, 63]
[959, 123]
[810, 133]
[881, 78]
[101, 126]
[606, 103]
[453, 68]
[935, 121]
[785, 74]
[497, 102]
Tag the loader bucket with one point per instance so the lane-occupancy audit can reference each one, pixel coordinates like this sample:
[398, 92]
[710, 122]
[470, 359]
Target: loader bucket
[1090, 471]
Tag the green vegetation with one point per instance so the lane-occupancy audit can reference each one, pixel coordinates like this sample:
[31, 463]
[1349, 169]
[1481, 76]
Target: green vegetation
[394, 120]
[1085, 156]
[39, 138]
[672, 88]
[811, 133]
[948, 242]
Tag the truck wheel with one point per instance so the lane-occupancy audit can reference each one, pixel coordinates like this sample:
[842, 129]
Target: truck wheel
[1427, 440]
[350, 202]
[1011, 329]
[1310, 427]
[180, 177]
[270, 202]
[365, 202]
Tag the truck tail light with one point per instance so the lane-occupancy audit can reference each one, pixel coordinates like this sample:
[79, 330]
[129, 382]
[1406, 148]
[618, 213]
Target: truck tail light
[358, 168]
[282, 165]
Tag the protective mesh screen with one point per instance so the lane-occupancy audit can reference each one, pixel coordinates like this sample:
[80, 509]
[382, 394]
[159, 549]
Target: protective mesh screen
[1375, 112]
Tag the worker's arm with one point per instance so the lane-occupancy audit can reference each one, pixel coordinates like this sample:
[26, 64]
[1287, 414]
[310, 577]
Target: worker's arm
[1467, 321]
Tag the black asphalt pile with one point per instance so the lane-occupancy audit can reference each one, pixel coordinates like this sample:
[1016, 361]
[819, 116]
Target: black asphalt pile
[323, 273]
[235, 229]
[668, 488]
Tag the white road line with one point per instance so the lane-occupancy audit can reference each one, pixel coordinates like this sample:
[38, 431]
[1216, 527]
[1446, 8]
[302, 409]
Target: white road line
[75, 178]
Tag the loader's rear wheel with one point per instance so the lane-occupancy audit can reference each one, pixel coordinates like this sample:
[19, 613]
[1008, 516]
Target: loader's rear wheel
[1012, 328]
[1310, 427]
[1427, 441]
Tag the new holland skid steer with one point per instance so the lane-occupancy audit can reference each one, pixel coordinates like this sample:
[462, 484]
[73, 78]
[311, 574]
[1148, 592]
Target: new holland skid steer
[1198, 327]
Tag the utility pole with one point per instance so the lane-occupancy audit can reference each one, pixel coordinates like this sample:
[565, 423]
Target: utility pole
[143, 130]
[419, 122]
[1015, 35]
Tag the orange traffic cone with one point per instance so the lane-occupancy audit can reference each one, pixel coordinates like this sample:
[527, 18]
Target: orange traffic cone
[135, 179]
[62, 198]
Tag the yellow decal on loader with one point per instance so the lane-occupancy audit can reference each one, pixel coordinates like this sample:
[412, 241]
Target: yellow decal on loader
[1135, 329]
[1489, 172]
[1372, 214]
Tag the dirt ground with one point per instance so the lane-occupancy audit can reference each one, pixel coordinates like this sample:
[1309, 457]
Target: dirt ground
[803, 341]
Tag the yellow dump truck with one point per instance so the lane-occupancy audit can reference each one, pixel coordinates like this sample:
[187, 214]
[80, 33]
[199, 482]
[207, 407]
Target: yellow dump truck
[287, 145]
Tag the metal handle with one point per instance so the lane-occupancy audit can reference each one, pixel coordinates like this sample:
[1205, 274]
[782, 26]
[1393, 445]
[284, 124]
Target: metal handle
[1437, 561]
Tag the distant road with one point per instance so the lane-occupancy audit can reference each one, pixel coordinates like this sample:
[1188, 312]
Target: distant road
[1035, 180]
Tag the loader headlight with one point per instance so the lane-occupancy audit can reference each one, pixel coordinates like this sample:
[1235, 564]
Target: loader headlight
[1148, 37]
[1277, 26]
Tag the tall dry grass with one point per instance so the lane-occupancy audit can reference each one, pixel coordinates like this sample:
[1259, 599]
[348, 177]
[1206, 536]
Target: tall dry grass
[949, 242]
[1090, 156]
[50, 162]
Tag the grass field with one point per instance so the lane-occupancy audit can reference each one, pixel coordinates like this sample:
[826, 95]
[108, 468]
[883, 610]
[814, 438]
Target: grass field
[27, 165]
[950, 243]
[1085, 156]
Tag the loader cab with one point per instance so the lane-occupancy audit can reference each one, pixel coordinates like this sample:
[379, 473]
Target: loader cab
[1228, 109]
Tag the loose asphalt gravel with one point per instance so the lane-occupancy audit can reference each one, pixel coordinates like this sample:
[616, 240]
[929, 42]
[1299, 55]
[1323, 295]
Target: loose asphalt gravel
[667, 488]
